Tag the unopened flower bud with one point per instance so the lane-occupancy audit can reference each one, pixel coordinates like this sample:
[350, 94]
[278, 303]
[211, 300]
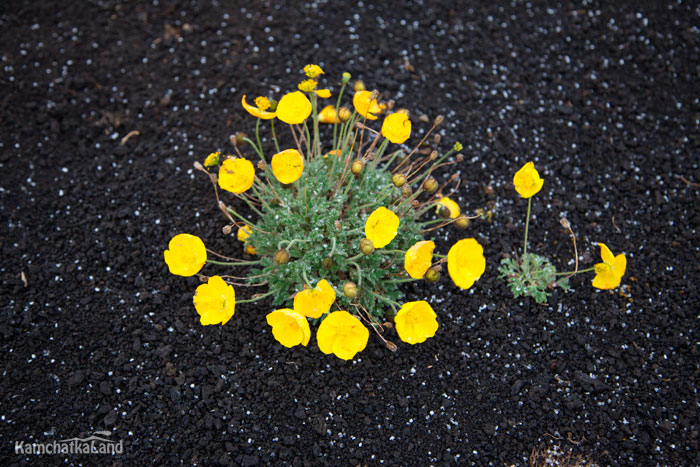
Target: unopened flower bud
[359, 86]
[431, 275]
[454, 177]
[350, 289]
[367, 246]
[443, 212]
[388, 324]
[398, 180]
[346, 77]
[436, 139]
[261, 165]
[226, 229]
[390, 345]
[462, 222]
[273, 105]
[282, 256]
[459, 157]
[327, 263]
[565, 223]
[458, 146]
[430, 185]
[356, 167]
[198, 166]
[415, 203]
[438, 120]
[344, 114]
[433, 155]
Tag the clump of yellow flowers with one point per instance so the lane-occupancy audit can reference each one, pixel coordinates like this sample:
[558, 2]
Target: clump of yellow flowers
[341, 216]
[534, 275]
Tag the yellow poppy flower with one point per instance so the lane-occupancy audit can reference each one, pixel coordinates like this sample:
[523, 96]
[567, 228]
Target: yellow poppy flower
[328, 115]
[365, 105]
[260, 108]
[333, 152]
[451, 206]
[323, 93]
[418, 258]
[381, 227]
[293, 108]
[185, 255]
[212, 159]
[314, 303]
[466, 262]
[342, 334]
[307, 85]
[396, 127]
[287, 165]
[289, 327]
[244, 232]
[608, 274]
[215, 301]
[527, 181]
[415, 322]
[313, 71]
[236, 175]
[250, 249]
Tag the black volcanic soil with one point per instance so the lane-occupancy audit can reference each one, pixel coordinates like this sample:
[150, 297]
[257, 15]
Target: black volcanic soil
[603, 96]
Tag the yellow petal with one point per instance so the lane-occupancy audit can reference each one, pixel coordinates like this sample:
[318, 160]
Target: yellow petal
[323, 93]
[293, 108]
[527, 181]
[396, 127]
[287, 165]
[365, 105]
[605, 254]
[381, 227]
[244, 232]
[236, 175]
[451, 206]
[418, 258]
[328, 115]
[466, 262]
[215, 301]
[256, 112]
[415, 322]
[289, 327]
[186, 255]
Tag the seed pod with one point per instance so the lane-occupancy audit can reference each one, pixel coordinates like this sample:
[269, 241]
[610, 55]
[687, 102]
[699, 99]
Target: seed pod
[462, 222]
[406, 191]
[327, 263]
[367, 246]
[359, 86]
[282, 256]
[430, 185]
[436, 139]
[261, 165]
[459, 157]
[357, 167]
[390, 105]
[431, 275]
[350, 289]
[344, 114]
[438, 120]
[390, 345]
[398, 180]
[226, 229]
[433, 155]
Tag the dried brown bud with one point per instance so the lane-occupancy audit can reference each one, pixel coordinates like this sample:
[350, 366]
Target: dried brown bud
[337, 224]
[436, 139]
[459, 157]
[488, 189]
[390, 345]
[375, 95]
[565, 223]
[282, 256]
[357, 167]
[261, 165]
[388, 324]
[462, 222]
[443, 212]
[454, 177]
[226, 230]
[431, 275]
[398, 180]
[240, 138]
[199, 166]
[390, 105]
[438, 120]
[406, 191]
[415, 203]
[367, 246]
[350, 289]
[430, 185]
[433, 155]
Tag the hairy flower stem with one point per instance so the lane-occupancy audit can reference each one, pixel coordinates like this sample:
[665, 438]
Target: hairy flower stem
[316, 141]
[309, 143]
[391, 303]
[575, 272]
[380, 153]
[237, 263]
[337, 109]
[274, 136]
[255, 298]
[527, 224]
[359, 273]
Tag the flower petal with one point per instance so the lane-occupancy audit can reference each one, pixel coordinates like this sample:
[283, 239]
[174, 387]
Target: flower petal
[256, 112]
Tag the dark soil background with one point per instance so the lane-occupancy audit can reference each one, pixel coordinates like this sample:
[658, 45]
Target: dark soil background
[603, 96]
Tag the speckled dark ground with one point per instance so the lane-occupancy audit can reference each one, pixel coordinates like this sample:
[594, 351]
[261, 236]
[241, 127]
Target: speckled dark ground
[603, 97]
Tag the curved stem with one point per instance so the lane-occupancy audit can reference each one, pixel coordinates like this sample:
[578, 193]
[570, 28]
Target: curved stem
[359, 273]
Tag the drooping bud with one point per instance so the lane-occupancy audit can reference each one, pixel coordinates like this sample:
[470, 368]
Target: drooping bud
[282, 256]
[367, 246]
[226, 229]
[350, 289]
[390, 345]
[327, 263]
[430, 185]
[432, 275]
[398, 180]
[357, 167]
[462, 222]
[443, 212]
[359, 86]
[344, 114]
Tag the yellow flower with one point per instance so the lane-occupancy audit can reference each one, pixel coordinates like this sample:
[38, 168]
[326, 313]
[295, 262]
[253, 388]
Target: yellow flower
[527, 181]
[250, 249]
[314, 303]
[451, 206]
[396, 127]
[328, 115]
[466, 262]
[381, 227]
[236, 175]
[215, 301]
[287, 165]
[342, 334]
[313, 71]
[419, 258]
[260, 109]
[186, 255]
[323, 93]
[307, 85]
[365, 105]
[212, 159]
[332, 152]
[293, 108]
[244, 232]
[608, 274]
[289, 327]
[415, 322]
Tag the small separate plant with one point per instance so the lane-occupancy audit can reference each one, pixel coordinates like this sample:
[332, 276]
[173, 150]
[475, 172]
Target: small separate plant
[533, 275]
[340, 225]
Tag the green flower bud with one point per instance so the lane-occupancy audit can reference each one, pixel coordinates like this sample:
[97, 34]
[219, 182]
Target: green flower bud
[357, 167]
[432, 275]
[282, 256]
[367, 246]
[398, 180]
[327, 263]
[346, 77]
[462, 222]
[430, 185]
[350, 289]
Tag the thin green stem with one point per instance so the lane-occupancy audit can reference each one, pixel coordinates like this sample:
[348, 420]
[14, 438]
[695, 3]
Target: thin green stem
[237, 263]
[379, 153]
[337, 116]
[575, 272]
[527, 224]
[393, 304]
[254, 299]
[274, 136]
[359, 273]
[399, 281]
